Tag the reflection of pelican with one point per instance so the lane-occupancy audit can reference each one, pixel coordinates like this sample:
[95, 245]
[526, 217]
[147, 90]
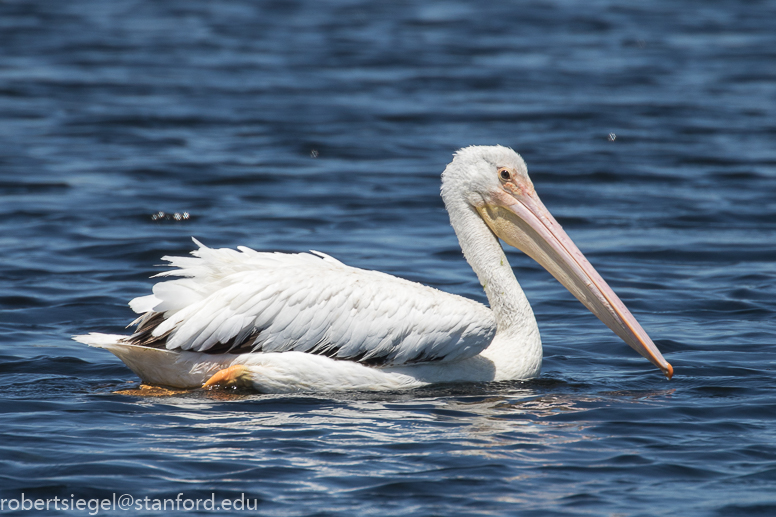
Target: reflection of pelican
[281, 322]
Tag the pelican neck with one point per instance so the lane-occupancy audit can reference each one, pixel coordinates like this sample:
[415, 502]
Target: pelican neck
[484, 253]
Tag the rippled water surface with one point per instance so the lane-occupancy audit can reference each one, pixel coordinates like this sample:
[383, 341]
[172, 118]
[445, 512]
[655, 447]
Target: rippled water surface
[649, 130]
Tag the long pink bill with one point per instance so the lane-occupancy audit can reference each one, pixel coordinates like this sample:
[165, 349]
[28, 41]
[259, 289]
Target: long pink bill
[535, 231]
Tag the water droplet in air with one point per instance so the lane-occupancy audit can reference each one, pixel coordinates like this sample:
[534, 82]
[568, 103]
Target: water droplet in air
[177, 216]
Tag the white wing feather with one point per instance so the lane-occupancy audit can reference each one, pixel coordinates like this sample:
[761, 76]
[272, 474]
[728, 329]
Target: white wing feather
[311, 303]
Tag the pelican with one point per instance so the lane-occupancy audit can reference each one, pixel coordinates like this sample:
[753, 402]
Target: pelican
[278, 322]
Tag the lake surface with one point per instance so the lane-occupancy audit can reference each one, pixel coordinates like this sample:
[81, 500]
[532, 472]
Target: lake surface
[649, 131]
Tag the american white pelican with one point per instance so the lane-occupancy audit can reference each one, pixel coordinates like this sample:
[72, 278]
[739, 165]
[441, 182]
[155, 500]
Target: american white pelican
[296, 322]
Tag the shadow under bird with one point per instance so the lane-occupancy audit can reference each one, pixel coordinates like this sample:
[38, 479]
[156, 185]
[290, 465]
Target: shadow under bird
[280, 322]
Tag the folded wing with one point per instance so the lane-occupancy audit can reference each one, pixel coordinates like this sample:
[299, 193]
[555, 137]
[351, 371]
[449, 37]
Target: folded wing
[229, 301]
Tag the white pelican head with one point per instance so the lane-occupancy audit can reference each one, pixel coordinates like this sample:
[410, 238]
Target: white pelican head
[494, 182]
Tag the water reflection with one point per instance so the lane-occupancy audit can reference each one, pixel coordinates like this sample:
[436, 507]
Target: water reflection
[346, 432]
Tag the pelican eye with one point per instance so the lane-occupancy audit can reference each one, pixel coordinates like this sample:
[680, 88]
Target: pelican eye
[504, 173]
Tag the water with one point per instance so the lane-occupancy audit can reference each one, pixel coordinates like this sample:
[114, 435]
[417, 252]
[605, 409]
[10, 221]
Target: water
[298, 125]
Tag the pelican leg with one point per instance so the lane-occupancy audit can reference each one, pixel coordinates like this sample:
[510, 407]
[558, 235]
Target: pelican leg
[236, 375]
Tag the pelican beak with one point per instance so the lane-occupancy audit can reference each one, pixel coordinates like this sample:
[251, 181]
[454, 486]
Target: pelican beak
[518, 217]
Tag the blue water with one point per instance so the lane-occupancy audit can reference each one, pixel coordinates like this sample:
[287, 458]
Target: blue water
[325, 125]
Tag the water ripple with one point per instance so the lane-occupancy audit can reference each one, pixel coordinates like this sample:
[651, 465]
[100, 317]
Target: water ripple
[290, 126]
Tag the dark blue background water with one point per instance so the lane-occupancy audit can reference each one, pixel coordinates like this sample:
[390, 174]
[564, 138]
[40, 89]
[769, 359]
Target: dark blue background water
[113, 111]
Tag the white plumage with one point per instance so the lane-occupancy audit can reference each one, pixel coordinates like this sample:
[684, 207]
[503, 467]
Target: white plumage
[289, 322]
[312, 303]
